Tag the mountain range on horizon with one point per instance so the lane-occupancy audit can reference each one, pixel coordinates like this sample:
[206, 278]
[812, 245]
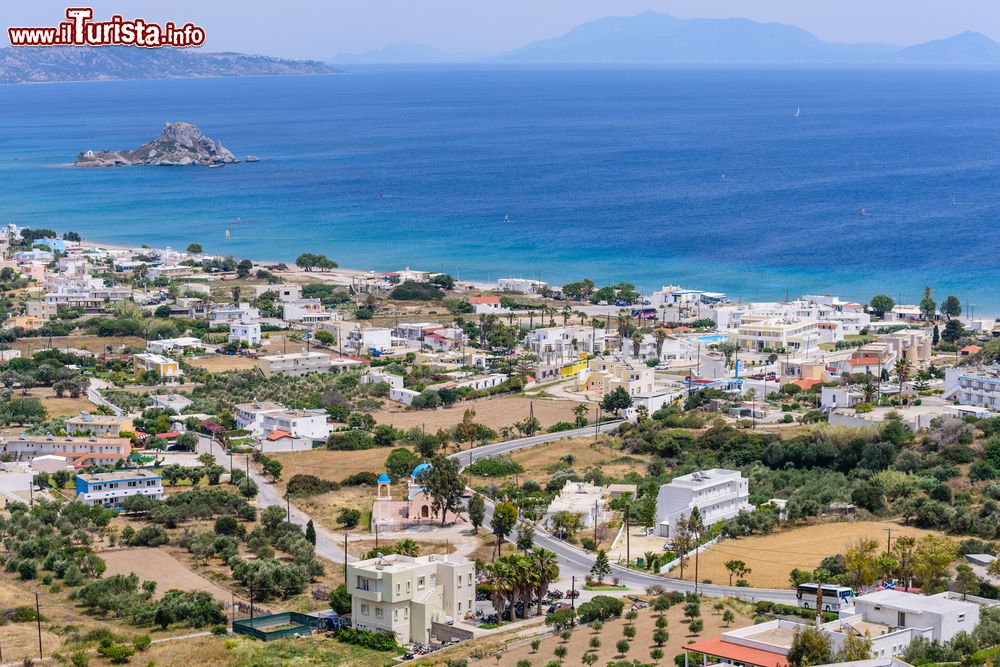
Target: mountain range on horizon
[653, 38]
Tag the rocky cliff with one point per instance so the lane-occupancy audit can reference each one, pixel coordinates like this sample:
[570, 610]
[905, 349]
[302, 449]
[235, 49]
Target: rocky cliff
[180, 144]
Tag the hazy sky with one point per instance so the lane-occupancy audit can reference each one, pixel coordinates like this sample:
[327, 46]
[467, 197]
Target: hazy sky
[322, 28]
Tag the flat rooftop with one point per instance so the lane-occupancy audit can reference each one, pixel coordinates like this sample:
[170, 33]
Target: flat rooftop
[779, 636]
[119, 475]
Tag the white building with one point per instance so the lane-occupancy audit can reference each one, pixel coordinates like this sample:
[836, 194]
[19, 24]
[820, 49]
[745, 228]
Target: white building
[169, 344]
[245, 330]
[558, 345]
[717, 493]
[520, 285]
[486, 305]
[406, 595]
[264, 418]
[939, 615]
[364, 340]
[979, 387]
[831, 398]
[109, 489]
[231, 313]
[294, 364]
[305, 310]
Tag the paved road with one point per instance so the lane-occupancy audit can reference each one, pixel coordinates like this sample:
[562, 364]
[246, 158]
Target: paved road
[94, 395]
[329, 545]
[576, 561]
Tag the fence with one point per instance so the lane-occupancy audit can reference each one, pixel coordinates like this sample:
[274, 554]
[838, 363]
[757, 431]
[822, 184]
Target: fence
[281, 625]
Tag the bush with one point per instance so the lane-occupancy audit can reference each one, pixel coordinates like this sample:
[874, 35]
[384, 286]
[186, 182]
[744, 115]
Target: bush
[117, 654]
[495, 466]
[377, 641]
[350, 440]
[361, 479]
[141, 642]
[600, 608]
[300, 486]
[150, 536]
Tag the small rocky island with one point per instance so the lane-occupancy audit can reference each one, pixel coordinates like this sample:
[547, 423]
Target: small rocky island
[181, 144]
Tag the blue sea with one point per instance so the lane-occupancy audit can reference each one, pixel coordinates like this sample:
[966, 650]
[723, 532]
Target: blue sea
[612, 174]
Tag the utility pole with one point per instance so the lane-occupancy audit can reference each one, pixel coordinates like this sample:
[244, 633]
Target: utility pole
[345, 558]
[38, 621]
[595, 523]
[288, 508]
[572, 598]
[628, 544]
[888, 540]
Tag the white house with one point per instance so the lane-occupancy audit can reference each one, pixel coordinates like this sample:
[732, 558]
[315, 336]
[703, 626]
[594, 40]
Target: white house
[168, 344]
[717, 493]
[267, 419]
[363, 340]
[231, 313]
[404, 595]
[831, 398]
[486, 305]
[943, 616]
[245, 330]
[557, 345]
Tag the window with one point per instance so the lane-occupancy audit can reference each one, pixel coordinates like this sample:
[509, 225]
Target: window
[406, 613]
[420, 583]
[459, 606]
[407, 586]
[397, 588]
[378, 612]
[961, 617]
[395, 614]
[460, 582]
[364, 609]
[363, 583]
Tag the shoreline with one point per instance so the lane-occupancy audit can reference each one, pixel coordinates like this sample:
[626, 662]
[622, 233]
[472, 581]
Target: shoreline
[347, 274]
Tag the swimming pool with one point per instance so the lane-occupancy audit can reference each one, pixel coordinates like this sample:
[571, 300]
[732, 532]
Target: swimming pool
[711, 340]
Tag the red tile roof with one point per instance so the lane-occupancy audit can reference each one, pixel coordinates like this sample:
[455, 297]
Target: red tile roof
[484, 299]
[970, 349]
[807, 384]
[865, 361]
[734, 652]
[168, 435]
[278, 434]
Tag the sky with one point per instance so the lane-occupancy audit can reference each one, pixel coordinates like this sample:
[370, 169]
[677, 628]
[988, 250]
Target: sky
[320, 29]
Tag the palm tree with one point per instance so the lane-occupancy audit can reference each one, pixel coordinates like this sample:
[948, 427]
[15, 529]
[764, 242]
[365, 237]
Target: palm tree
[636, 343]
[660, 336]
[870, 390]
[546, 567]
[903, 369]
[566, 312]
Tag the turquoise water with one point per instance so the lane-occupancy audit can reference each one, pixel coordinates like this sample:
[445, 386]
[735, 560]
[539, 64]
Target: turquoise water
[711, 339]
[611, 174]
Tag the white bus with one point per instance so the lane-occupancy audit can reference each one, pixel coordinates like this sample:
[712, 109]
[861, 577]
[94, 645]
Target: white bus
[835, 598]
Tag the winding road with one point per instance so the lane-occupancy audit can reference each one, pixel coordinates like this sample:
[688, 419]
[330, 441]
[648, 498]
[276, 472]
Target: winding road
[576, 561]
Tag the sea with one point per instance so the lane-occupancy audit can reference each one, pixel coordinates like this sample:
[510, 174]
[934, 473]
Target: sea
[885, 181]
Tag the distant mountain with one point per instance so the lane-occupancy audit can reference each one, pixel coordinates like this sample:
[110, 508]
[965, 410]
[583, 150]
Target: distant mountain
[402, 53]
[657, 38]
[45, 64]
[968, 48]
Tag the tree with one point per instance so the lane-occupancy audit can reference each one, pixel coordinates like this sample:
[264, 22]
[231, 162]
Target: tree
[580, 415]
[195, 248]
[954, 330]
[444, 484]
[738, 569]
[931, 558]
[311, 533]
[881, 304]
[546, 569]
[656, 654]
[622, 646]
[728, 617]
[349, 517]
[525, 538]
[601, 567]
[616, 400]
[928, 307]
[504, 520]
[273, 467]
[476, 511]
[951, 307]
[810, 646]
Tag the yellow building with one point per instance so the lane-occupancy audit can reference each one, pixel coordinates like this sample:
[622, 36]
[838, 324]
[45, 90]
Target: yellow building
[165, 367]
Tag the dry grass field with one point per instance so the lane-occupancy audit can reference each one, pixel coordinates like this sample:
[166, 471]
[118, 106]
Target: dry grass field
[94, 344]
[772, 557]
[539, 462]
[218, 363]
[164, 568]
[60, 407]
[494, 412]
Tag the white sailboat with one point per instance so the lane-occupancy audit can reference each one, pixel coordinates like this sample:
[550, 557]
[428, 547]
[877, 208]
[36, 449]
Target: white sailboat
[506, 218]
[798, 111]
[227, 233]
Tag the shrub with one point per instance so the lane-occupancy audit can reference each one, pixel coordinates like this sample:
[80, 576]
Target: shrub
[117, 654]
[495, 466]
[377, 641]
[361, 479]
[141, 642]
[601, 607]
[309, 485]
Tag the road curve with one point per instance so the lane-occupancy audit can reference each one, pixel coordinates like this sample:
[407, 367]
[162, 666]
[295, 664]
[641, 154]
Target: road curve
[576, 561]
